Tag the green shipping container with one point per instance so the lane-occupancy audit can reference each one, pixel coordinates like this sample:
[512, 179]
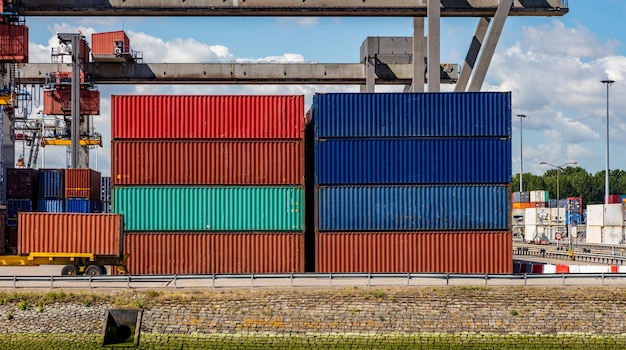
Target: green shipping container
[203, 208]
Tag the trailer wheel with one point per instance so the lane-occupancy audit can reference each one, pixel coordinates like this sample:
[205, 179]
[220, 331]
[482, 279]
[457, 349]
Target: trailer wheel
[70, 270]
[103, 269]
[93, 270]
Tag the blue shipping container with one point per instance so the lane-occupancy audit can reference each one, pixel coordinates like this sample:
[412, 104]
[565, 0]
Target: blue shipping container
[14, 206]
[412, 114]
[105, 187]
[412, 208]
[83, 205]
[413, 161]
[51, 206]
[52, 183]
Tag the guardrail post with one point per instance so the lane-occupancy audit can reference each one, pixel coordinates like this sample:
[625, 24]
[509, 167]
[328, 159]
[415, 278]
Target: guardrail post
[447, 279]
[408, 279]
[175, 281]
[525, 278]
[213, 281]
[563, 278]
[330, 279]
[89, 281]
[252, 280]
[486, 279]
[14, 282]
[51, 282]
[291, 279]
[602, 278]
[369, 277]
[128, 281]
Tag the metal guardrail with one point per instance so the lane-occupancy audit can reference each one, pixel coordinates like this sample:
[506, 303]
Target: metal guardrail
[293, 280]
[551, 252]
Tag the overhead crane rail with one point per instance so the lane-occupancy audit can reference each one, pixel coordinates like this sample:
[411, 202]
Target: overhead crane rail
[364, 8]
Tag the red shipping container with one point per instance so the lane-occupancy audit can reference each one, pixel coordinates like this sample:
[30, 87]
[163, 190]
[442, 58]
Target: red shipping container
[180, 162]
[103, 44]
[82, 183]
[13, 43]
[207, 117]
[208, 253]
[100, 234]
[437, 251]
[59, 102]
[615, 199]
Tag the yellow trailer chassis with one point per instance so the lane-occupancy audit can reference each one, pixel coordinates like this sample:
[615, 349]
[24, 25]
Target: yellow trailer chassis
[74, 263]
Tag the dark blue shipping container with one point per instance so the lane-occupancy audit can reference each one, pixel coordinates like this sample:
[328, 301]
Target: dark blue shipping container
[412, 114]
[52, 183]
[413, 161]
[83, 205]
[51, 206]
[14, 206]
[412, 208]
[105, 188]
[22, 183]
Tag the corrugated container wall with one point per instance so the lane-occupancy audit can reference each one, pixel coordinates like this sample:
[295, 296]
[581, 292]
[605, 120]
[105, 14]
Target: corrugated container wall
[413, 161]
[22, 183]
[410, 208]
[51, 206]
[105, 186]
[82, 205]
[453, 252]
[208, 253]
[207, 117]
[58, 102]
[200, 162]
[82, 183]
[104, 43]
[16, 206]
[100, 234]
[13, 43]
[152, 208]
[52, 183]
[412, 114]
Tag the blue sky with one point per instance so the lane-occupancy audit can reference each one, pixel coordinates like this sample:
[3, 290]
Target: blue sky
[552, 66]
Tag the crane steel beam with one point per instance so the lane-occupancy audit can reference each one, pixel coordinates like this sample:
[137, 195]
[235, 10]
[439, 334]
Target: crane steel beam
[390, 8]
[231, 73]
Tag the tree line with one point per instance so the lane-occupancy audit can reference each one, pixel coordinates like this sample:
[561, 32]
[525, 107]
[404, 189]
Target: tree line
[574, 182]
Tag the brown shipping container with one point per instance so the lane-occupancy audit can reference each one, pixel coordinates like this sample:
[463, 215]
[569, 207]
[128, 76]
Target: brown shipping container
[100, 234]
[82, 183]
[181, 162]
[3, 232]
[207, 253]
[59, 102]
[454, 252]
[13, 43]
[207, 117]
[104, 43]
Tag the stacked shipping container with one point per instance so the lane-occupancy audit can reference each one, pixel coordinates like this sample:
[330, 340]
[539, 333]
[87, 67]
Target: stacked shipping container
[410, 182]
[210, 184]
[22, 186]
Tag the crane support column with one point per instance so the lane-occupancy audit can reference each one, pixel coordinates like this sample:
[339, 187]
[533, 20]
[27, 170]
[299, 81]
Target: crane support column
[75, 136]
[85, 127]
[418, 55]
[488, 49]
[370, 75]
[434, 45]
[472, 54]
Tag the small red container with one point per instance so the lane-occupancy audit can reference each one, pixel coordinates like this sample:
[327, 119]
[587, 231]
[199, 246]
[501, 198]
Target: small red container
[13, 43]
[100, 234]
[103, 44]
[82, 183]
[59, 102]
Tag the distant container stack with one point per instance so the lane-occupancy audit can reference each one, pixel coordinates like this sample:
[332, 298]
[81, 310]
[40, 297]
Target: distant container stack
[210, 184]
[22, 193]
[105, 194]
[412, 182]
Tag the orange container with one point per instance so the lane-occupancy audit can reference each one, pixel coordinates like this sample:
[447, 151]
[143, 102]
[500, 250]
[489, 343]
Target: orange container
[437, 251]
[522, 205]
[103, 44]
[203, 162]
[100, 234]
[58, 102]
[207, 253]
[13, 43]
[82, 183]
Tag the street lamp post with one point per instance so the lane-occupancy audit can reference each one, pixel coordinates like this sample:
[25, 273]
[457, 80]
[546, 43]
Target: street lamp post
[559, 168]
[521, 147]
[608, 83]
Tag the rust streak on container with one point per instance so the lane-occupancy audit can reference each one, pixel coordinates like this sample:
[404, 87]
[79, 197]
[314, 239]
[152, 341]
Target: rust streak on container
[207, 253]
[100, 234]
[201, 162]
[437, 251]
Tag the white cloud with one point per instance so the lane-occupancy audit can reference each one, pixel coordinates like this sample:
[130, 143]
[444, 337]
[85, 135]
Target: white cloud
[179, 50]
[300, 21]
